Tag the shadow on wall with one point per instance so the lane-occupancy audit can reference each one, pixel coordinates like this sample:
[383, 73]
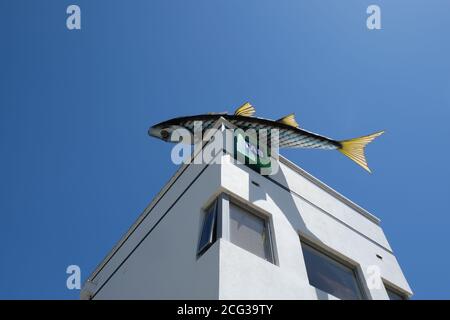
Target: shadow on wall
[321, 295]
[284, 199]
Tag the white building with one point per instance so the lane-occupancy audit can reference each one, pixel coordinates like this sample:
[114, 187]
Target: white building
[223, 231]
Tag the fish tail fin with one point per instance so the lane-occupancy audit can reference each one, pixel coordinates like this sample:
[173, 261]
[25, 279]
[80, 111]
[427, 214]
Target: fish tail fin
[246, 110]
[354, 148]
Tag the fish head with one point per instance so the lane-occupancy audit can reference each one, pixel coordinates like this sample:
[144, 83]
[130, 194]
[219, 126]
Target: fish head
[164, 130]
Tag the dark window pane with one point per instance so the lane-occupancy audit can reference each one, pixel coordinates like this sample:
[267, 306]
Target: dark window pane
[209, 229]
[393, 295]
[330, 275]
[250, 232]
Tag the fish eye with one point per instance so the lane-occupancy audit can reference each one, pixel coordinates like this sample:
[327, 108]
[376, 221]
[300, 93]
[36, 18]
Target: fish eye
[164, 134]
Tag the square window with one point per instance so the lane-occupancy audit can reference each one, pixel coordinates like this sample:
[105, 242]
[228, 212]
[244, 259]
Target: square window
[330, 275]
[250, 232]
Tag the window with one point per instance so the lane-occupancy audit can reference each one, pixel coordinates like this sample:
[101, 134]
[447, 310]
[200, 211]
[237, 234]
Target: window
[250, 232]
[209, 229]
[330, 275]
[240, 226]
[394, 294]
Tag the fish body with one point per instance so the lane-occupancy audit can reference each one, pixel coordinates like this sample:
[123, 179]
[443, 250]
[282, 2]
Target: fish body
[289, 134]
[289, 137]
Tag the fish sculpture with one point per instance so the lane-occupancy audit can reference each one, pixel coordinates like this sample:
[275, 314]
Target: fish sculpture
[290, 133]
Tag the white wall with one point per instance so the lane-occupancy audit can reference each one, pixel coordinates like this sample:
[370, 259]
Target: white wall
[163, 265]
[313, 214]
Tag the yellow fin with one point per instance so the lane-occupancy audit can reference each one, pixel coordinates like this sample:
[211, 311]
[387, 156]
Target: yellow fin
[246, 110]
[354, 148]
[289, 120]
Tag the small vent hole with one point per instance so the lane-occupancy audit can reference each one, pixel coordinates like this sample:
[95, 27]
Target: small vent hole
[255, 183]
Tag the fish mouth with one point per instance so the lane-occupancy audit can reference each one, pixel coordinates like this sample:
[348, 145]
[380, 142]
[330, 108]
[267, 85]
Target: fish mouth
[153, 131]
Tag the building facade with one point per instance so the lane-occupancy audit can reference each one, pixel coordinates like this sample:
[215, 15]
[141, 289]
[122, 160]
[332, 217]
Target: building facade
[224, 231]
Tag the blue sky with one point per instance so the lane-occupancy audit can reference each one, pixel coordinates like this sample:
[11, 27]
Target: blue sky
[77, 166]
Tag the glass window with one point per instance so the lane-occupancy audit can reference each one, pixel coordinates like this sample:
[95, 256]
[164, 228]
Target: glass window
[394, 295]
[250, 232]
[330, 275]
[209, 229]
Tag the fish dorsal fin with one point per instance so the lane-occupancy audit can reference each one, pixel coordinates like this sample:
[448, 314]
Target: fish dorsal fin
[246, 110]
[289, 120]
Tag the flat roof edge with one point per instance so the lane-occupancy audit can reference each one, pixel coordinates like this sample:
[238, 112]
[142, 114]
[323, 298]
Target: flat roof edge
[316, 181]
[136, 223]
[330, 190]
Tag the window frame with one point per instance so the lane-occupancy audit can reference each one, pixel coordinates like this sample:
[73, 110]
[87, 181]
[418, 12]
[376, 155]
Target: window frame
[212, 209]
[327, 254]
[267, 226]
[390, 288]
[222, 225]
